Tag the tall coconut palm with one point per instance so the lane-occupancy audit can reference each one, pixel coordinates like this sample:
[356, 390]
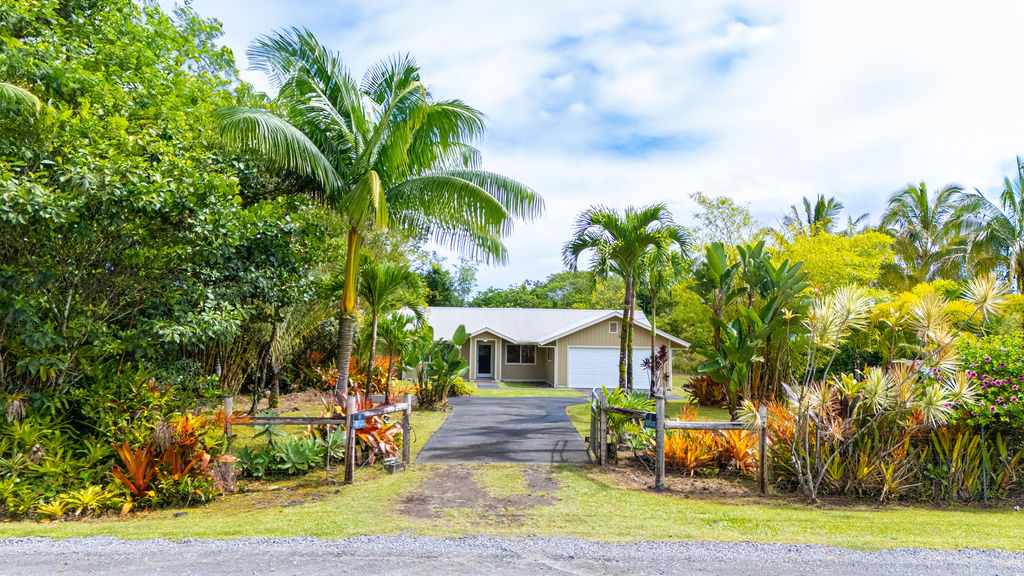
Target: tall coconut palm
[819, 217]
[997, 232]
[382, 152]
[396, 332]
[387, 287]
[928, 243]
[618, 243]
[660, 270]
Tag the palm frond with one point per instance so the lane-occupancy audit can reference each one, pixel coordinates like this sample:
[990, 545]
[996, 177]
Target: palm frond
[18, 99]
[278, 141]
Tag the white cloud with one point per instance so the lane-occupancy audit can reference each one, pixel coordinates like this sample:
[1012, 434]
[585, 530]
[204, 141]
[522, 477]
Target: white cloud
[603, 102]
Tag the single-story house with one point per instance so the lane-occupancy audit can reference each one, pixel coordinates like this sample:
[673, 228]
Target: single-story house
[560, 347]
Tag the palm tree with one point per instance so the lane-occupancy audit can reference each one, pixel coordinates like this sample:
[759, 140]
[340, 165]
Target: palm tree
[856, 225]
[619, 242]
[396, 332]
[997, 232]
[660, 270]
[819, 217]
[387, 287]
[928, 243]
[382, 152]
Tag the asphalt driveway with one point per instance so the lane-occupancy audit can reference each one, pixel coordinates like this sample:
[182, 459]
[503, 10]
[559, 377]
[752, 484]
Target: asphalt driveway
[507, 430]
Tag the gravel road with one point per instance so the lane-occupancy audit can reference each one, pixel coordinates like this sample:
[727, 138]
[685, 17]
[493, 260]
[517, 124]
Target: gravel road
[413, 556]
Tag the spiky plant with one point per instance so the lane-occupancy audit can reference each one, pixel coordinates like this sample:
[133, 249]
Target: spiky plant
[987, 294]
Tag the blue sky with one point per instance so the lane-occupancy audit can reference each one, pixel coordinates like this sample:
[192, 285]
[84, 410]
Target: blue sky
[631, 103]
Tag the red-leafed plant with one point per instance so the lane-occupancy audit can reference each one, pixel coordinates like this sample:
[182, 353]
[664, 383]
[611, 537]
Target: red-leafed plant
[139, 469]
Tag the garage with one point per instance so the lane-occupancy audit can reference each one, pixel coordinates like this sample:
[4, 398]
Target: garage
[596, 366]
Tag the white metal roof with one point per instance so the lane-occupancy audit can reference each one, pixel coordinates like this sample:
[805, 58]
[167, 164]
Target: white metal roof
[527, 325]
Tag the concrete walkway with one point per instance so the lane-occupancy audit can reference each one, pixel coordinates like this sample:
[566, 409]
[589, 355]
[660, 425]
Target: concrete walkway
[507, 430]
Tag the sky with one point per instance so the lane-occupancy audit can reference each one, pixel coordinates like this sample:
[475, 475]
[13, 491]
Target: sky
[619, 103]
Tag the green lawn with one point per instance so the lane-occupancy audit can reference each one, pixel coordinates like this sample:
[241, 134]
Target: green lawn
[588, 505]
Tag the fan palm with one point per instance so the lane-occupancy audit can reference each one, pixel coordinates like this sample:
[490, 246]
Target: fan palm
[382, 152]
[997, 232]
[619, 242]
[819, 217]
[928, 243]
[386, 287]
[660, 270]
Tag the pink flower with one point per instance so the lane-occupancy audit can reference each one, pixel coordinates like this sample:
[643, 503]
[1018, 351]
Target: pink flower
[992, 409]
[999, 400]
[1013, 398]
[988, 358]
[1014, 387]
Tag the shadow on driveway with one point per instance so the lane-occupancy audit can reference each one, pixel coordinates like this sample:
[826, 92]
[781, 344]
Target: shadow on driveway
[507, 430]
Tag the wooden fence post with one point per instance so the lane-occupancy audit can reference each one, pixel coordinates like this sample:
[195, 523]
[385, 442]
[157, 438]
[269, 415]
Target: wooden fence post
[603, 432]
[407, 430]
[762, 448]
[229, 408]
[659, 439]
[350, 440]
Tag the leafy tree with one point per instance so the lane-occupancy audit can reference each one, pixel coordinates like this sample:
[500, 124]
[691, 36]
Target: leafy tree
[928, 243]
[447, 288]
[618, 243]
[721, 219]
[123, 231]
[685, 315]
[832, 260]
[567, 289]
[382, 152]
[386, 287]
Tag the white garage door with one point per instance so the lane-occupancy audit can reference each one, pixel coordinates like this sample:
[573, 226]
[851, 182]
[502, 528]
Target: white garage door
[596, 367]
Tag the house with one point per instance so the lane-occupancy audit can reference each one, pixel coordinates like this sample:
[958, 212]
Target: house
[560, 347]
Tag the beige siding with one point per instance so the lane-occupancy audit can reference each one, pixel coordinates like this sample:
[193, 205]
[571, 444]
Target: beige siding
[469, 353]
[548, 356]
[524, 372]
[599, 335]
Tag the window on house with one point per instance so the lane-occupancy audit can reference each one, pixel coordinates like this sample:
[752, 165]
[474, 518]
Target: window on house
[613, 327]
[549, 354]
[520, 354]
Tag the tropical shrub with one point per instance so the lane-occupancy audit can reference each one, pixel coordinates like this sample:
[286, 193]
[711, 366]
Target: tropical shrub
[995, 368]
[462, 387]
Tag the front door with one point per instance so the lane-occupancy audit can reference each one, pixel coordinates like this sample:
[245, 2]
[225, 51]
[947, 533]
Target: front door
[483, 360]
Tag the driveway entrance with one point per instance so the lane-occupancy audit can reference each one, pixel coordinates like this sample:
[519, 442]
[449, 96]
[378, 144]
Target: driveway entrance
[507, 430]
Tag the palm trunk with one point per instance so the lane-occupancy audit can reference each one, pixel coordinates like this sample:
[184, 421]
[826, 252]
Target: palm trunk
[629, 339]
[623, 335]
[654, 328]
[373, 350]
[387, 379]
[1018, 269]
[347, 312]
